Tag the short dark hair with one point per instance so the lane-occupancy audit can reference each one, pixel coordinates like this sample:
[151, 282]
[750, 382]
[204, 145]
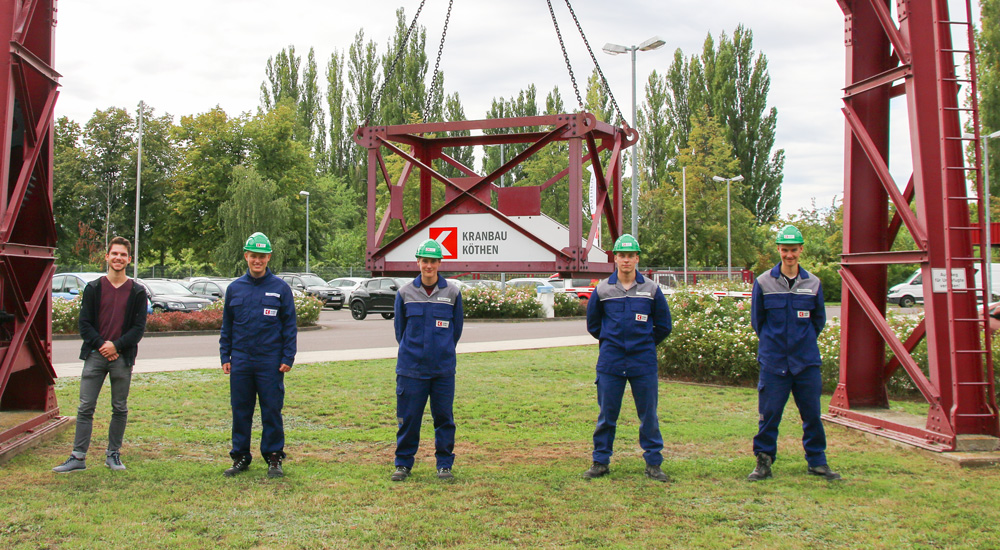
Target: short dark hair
[122, 241]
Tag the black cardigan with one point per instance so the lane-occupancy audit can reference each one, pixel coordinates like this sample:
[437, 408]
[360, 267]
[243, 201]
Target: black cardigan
[133, 327]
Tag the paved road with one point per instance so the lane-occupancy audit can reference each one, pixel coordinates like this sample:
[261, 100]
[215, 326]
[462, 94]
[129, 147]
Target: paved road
[342, 333]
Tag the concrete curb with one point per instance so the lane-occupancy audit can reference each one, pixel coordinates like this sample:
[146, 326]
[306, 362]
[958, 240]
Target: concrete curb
[177, 333]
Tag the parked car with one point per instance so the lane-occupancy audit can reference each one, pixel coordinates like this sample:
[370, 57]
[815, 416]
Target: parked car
[377, 295]
[67, 286]
[210, 288]
[347, 285]
[315, 287]
[167, 295]
[581, 288]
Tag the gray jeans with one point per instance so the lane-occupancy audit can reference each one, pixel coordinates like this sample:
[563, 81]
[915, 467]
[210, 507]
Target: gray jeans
[95, 369]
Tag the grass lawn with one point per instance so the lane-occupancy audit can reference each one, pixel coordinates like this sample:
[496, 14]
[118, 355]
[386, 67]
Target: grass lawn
[525, 421]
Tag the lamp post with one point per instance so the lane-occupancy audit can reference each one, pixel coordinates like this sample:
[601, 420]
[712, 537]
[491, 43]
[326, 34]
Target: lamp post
[138, 193]
[615, 49]
[729, 233]
[306, 194]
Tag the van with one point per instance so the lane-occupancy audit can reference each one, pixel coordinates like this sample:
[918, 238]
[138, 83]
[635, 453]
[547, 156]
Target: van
[911, 291]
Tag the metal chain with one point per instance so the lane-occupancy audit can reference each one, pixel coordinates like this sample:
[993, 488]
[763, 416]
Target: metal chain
[562, 45]
[437, 63]
[392, 68]
[593, 57]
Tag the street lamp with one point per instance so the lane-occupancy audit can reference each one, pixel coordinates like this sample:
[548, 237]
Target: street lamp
[729, 233]
[306, 194]
[615, 49]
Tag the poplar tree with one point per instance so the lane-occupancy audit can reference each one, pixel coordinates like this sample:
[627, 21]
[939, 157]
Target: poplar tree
[988, 73]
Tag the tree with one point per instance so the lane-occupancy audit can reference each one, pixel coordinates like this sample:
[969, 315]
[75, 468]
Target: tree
[453, 111]
[253, 205]
[988, 73]
[109, 139]
[339, 153]
[160, 159]
[211, 145]
[311, 120]
[362, 73]
[494, 156]
[654, 133]
[282, 79]
[706, 155]
[75, 200]
[404, 95]
[739, 89]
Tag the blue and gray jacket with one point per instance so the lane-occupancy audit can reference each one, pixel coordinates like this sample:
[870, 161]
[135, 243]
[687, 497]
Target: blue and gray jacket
[427, 329]
[787, 321]
[258, 321]
[629, 324]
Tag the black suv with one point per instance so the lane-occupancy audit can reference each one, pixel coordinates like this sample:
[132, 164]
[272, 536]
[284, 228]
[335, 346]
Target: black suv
[315, 287]
[376, 295]
[167, 295]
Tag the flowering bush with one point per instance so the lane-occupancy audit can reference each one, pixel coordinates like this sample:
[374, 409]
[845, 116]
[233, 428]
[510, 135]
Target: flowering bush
[483, 302]
[307, 310]
[568, 305]
[712, 341]
[169, 321]
[65, 315]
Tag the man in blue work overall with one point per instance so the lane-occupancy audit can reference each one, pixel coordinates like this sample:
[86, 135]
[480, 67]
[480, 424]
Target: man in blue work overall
[428, 321]
[257, 346]
[628, 314]
[787, 313]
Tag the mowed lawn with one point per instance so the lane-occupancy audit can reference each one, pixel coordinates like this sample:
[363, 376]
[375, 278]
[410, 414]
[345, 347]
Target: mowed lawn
[525, 421]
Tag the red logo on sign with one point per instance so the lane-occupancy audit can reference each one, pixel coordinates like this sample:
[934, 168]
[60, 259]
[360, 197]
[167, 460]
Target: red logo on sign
[447, 237]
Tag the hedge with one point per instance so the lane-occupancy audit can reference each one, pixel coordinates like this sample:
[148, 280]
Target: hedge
[712, 341]
[484, 302]
[66, 315]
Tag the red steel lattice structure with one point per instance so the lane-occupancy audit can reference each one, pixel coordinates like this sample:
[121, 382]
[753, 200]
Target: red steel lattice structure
[28, 94]
[473, 193]
[912, 55]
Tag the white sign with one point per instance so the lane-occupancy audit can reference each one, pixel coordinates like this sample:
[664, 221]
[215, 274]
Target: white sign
[939, 280]
[486, 238]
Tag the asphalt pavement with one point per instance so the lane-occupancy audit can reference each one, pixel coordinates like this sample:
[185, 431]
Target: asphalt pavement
[340, 338]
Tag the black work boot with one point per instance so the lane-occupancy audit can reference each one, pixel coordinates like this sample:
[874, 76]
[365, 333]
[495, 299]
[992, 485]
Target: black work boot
[656, 474]
[825, 472]
[596, 470]
[401, 473]
[274, 466]
[240, 464]
[763, 469]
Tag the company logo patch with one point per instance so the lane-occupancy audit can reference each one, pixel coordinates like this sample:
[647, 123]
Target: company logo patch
[275, 294]
[442, 324]
[259, 245]
[447, 237]
[270, 312]
[641, 317]
[803, 314]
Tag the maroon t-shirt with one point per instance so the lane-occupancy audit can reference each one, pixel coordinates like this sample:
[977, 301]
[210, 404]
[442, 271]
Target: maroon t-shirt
[111, 311]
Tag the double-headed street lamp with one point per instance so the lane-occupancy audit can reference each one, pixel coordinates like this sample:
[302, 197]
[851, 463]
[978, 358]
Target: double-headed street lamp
[615, 49]
[306, 194]
[729, 233]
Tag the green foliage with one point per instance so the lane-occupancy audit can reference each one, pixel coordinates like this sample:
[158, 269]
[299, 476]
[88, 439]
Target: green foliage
[988, 72]
[254, 205]
[712, 341]
[66, 315]
[483, 302]
[568, 305]
[307, 310]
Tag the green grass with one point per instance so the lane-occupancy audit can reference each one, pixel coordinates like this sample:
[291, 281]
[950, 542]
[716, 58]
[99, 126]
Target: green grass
[525, 421]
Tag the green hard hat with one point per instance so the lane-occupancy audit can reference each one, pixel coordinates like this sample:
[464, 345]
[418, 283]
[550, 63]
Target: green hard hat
[789, 235]
[429, 249]
[626, 243]
[258, 242]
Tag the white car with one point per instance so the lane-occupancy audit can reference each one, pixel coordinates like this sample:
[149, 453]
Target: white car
[347, 285]
[528, 282]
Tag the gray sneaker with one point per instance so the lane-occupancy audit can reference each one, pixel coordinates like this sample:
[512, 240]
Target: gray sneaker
[71, 465]
[114, 461]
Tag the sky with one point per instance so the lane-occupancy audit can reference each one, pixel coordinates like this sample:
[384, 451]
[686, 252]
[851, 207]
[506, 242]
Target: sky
[184, 57]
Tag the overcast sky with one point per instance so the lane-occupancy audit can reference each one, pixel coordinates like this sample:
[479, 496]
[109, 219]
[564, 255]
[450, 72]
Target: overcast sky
[184, 57]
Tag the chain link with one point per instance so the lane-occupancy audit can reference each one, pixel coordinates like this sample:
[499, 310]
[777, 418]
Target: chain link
[437, 63]
[569, 67]
[392, 69]
[597, 66]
